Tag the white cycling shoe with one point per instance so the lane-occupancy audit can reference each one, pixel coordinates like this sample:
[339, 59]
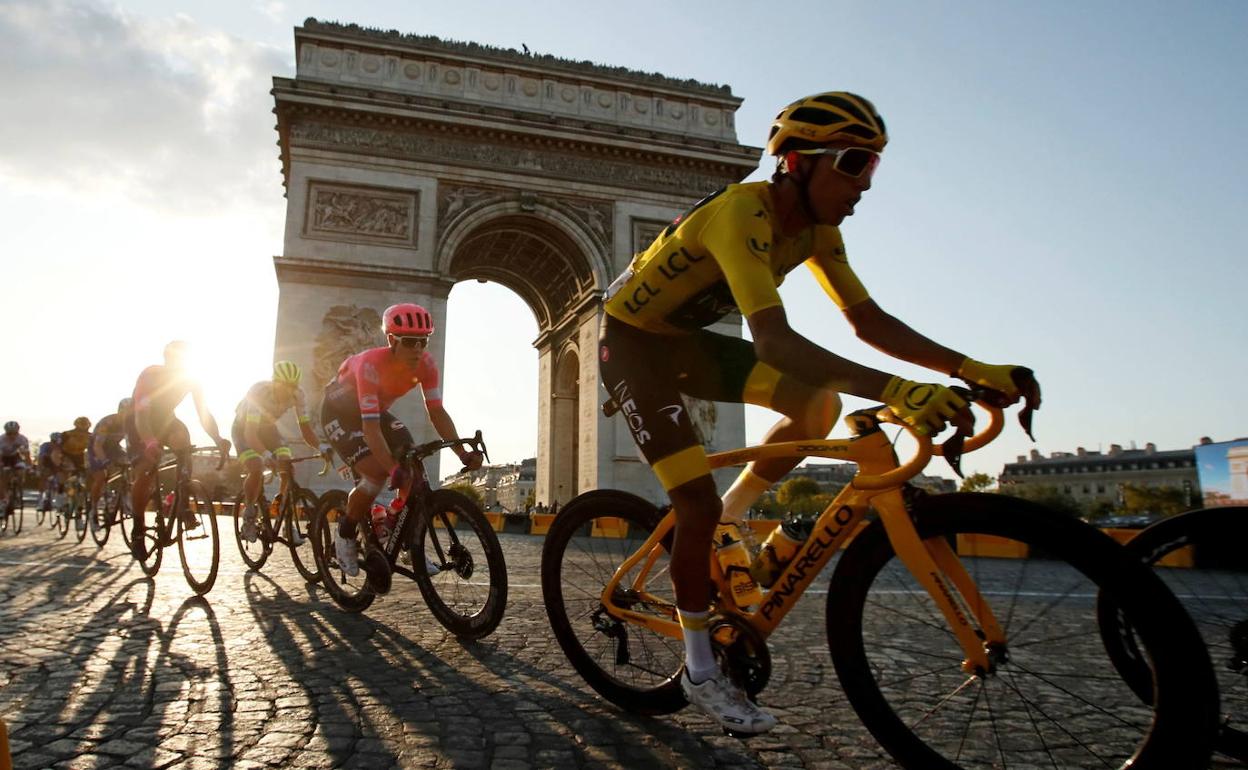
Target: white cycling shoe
[727, 704]
[348, 553]
[249, 530]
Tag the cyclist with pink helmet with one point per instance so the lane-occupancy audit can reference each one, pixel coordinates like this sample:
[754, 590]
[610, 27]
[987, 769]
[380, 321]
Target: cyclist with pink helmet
[358, 424]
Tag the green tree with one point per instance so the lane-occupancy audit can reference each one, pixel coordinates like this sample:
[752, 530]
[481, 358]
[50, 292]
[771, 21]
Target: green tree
[795, 489]
[1153, 501]
[977, 482]
[470, 492]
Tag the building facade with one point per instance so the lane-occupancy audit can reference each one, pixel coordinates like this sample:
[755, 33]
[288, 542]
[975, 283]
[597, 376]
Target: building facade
[1094, 477]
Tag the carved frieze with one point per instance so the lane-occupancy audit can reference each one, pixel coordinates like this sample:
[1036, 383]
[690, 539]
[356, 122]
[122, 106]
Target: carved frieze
[455, 200]
[549, 163]
[345, 331]
[361, 214]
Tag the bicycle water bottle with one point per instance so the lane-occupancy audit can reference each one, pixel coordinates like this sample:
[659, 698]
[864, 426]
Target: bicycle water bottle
[167, 506]
[779, 549]
[381, 523]
[735, 561]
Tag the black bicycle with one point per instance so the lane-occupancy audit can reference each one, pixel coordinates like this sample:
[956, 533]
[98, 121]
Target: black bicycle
[69, 503]
[441, 539]
[113, 507]
[183, 512]
[287, 521]
[11, 521]
[1202, 556]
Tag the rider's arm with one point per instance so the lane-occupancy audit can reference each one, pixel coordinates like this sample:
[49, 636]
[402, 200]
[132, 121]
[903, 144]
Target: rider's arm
[205, 417]
[890, 335]
[305, 422]
[779, 346]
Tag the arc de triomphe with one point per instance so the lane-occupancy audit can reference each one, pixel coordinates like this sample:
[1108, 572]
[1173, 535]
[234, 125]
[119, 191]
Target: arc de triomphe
[411, 163]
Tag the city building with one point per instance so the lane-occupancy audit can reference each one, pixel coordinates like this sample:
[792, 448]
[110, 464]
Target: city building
[832, 476]
[1091, 477]
[505, 486]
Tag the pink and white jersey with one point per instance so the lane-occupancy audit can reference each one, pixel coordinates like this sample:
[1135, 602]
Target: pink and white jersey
[379, 379]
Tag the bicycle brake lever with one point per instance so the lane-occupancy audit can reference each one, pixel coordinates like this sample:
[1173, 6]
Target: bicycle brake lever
[952, 452]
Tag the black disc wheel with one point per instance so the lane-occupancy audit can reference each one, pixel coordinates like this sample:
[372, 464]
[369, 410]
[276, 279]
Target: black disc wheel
[255, 553]
[459, 565]
[1202, 558]
[630, 665]
[199, 541]
[297, 530]
[1051, 696]
[349, 592]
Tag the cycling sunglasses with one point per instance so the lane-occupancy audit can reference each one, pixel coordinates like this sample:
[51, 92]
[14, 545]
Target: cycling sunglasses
[412, 342]
[853, 162]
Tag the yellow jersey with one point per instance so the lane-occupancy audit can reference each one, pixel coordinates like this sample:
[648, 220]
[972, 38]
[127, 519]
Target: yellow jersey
[725, 255]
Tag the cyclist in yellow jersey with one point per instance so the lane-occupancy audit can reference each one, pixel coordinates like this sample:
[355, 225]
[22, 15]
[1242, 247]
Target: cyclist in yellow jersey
[74, 443]
[729, 253]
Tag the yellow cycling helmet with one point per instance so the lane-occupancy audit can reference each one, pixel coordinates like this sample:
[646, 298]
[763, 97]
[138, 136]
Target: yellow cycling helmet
[288, 372]
[833, 116]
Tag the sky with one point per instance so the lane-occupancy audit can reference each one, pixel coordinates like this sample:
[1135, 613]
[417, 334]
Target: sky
[1065, 188]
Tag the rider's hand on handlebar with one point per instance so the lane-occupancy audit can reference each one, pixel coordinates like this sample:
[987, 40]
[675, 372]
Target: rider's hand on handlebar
[471, 460]
[326, 451]
[223, 446]
[152, 450]
[925, 406]
[1011, 382]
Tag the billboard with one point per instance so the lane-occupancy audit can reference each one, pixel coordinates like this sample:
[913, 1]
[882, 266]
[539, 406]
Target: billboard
[1223, 469]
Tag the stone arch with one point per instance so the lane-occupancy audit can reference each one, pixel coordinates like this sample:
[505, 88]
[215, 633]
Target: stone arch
[450, 162]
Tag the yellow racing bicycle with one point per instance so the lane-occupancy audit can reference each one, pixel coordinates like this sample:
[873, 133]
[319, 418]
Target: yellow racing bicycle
[963, 627]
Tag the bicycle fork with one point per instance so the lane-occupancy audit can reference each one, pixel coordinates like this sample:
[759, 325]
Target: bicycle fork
[941, 573]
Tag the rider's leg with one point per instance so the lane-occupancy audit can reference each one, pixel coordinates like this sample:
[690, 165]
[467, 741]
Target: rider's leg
[251, 493]
[697, 509]
[809, 413]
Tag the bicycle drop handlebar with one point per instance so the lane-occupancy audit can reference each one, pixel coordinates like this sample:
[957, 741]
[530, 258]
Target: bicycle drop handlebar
[421, 451]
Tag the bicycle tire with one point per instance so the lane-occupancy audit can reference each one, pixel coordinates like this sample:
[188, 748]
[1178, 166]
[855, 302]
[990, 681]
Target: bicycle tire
[124, 514]
[62, 516]
[254, 554]
[16, 508]
[154, 534]
[82, 514]
[299, 518]
[575, 570]
[350, 593]
[200, 544]
[101, 515]
[469, 606]
[987, 721]
[1212, 583]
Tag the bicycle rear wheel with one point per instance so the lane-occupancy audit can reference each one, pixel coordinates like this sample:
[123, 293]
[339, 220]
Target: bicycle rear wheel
[633, 667]
[459, 565]
[257, 553]
[199, 542]
[1054, 698]
[1200, 555]
[298, 529]
[349, 592]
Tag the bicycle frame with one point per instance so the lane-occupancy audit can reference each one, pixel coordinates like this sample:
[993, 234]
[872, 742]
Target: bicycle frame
[932, 562]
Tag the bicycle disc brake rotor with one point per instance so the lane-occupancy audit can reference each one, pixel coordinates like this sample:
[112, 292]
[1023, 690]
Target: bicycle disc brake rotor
[742, 652]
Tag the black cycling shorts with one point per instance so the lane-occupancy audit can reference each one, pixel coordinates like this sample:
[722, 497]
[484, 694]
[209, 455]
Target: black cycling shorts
[646, 373]
[344, 429]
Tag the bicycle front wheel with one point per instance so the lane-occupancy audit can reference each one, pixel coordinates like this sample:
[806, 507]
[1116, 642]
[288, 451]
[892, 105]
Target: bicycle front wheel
[1053, 698]
[298, 532]
[459, 565]
[349, 592]
[102, 515]
[15, 513]
[63, 513]
[633, 667]
[1200, 555]
[254, 554]
[199, 543]
[82, 514]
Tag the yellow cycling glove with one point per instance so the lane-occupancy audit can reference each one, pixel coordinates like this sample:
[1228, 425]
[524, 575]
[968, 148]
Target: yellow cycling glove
[923, 405]
[996, 377]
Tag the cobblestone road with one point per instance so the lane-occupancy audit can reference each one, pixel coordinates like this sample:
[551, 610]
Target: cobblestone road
[102, 667]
